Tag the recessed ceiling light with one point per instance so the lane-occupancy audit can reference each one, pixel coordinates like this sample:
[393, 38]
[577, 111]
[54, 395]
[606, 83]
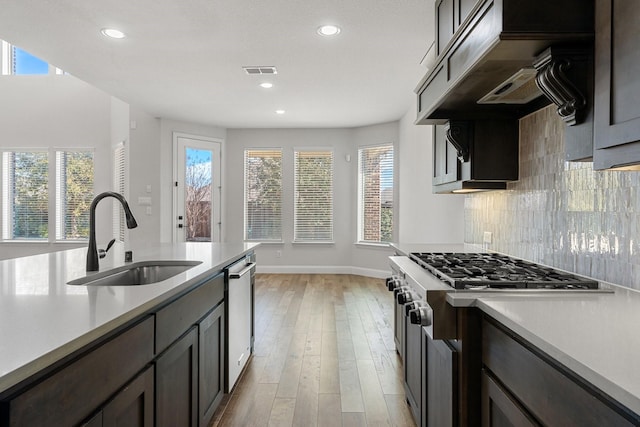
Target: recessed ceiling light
[279, 111]
[113, 33]
[266, 85]
[328, 30]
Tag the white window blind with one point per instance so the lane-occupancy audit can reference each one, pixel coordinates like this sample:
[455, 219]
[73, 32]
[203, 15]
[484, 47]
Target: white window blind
[313, 193]
[25, 195]
[74, 193]
[119, 170]
[263, 194]
[375, 194]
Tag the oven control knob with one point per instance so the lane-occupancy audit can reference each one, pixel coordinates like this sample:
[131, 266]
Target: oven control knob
[405, 297]
[420, 316]
[399, 289]
[411, 306]
[390, 283]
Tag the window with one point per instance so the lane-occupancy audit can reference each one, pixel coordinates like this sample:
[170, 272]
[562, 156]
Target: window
[28, 176]
[14, 60]
[74, 193]
[313, 196]
[25, 195]
[263, 195]
[375, 194]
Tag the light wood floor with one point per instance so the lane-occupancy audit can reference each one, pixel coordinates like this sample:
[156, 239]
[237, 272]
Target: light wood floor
[324, 356]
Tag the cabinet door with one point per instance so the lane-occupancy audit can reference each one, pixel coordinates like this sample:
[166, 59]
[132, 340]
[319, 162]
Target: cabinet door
[442, 384]
[445, 158]
[617, 88]
[133, 406]
[211, 367]
[177, 383]
[499, 409]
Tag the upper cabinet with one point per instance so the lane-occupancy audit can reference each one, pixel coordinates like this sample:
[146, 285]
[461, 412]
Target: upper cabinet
[617, 86]
[484, 56]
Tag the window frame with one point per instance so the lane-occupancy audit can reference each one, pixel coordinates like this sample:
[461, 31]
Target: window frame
[246, 199]
[296, 238]
[53, 208]
[360, 195]
[7, 58]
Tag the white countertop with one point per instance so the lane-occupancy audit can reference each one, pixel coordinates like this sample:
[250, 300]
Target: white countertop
[593, 334]
[42, 319]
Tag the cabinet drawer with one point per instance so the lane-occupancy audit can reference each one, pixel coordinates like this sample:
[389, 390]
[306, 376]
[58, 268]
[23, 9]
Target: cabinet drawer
[173, 320]
[552, 395]
[70, 395]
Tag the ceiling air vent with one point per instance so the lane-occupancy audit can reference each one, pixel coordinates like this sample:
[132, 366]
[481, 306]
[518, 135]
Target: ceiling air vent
[260, 69]
[517, 89]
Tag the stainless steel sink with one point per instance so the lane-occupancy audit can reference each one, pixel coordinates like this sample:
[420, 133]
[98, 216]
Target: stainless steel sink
[139, 273]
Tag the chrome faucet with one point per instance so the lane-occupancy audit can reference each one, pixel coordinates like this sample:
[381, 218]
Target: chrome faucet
[92, 252]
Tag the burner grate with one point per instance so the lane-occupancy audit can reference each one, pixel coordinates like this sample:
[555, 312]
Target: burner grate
[482, 270]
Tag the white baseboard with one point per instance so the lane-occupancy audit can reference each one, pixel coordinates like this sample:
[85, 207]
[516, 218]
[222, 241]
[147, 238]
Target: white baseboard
[322, 269]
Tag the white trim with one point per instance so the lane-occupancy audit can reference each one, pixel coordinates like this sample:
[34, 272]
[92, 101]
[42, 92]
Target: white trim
[316, 269]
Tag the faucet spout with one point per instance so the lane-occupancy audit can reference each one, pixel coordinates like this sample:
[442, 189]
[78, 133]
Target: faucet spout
[92, 251]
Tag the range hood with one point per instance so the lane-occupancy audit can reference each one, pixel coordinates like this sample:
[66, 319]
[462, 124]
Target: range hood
[485, 71]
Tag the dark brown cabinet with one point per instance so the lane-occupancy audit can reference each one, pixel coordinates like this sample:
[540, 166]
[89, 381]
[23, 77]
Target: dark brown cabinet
[177, 383]
[441, 394]
[474, 155]
[79, 389]
[500, 409]
[446, 167]
[211, 364]
[133, 405]
[450, 14]
[536, 389]
[617, 87]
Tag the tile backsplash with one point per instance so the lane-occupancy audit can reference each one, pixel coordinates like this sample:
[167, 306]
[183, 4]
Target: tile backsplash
[563, 214]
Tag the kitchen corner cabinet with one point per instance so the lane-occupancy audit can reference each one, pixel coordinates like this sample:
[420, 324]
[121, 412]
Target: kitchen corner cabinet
[617, 87]
[522, 386]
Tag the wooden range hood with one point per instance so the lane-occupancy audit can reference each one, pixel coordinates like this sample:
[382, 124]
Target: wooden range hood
[498, 39]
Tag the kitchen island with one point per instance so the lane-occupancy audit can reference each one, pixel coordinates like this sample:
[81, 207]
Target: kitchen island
[45, 324]
[587, 338]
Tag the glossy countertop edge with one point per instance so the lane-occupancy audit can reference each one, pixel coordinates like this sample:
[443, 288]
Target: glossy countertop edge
[214, 257]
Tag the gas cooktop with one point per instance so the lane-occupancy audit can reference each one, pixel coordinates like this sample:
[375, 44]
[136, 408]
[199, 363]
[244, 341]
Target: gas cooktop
[484, 270]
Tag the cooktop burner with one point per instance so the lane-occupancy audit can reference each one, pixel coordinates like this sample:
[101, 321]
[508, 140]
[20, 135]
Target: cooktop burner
[483, 270]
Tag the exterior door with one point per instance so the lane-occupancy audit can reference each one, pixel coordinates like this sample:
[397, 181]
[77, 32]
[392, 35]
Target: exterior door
[197, 189]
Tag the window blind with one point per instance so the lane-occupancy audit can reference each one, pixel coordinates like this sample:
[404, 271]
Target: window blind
[313, 196]
[263, 194]
[74, 193]
[375, 194]
[25, 198]
[119, 169]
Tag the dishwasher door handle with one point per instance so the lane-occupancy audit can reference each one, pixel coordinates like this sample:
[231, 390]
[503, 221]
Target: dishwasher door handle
[239, 274]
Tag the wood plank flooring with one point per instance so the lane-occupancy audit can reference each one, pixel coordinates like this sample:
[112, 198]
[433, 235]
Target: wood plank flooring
[324, 356]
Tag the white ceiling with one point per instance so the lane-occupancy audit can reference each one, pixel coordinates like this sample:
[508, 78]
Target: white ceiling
[182, 59]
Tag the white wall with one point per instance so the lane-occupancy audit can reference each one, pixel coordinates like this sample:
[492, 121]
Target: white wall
[424, 217]
[55, 111]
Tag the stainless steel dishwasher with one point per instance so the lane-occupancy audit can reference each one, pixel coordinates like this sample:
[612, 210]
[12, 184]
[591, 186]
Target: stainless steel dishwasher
[239, 303]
